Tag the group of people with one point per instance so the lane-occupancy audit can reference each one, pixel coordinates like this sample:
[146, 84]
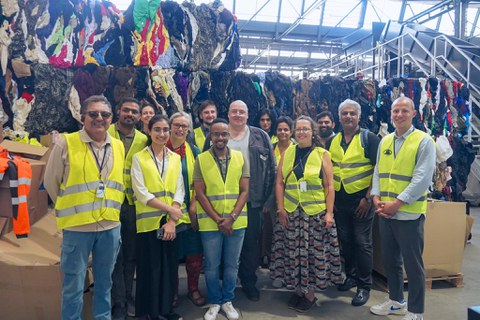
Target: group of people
[229, 196]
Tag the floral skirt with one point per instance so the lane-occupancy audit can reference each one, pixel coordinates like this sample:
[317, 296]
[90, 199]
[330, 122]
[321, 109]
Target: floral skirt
[306, 255]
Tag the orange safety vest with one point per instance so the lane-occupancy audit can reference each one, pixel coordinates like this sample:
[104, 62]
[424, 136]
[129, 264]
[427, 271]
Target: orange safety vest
[20, 174]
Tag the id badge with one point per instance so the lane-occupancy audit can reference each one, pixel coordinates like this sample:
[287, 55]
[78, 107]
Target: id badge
[101, 190]
[303, 186]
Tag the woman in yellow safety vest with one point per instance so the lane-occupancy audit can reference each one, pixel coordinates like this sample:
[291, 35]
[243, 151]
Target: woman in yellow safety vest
[284, 131]
[157, 183]
[189, 241]
[306, 252]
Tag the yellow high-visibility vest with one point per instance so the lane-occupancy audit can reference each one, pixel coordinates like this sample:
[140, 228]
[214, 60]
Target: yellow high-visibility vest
[312, 200]
[148, 218]
[396, 172]
[199, 138]
[77, 203]
[350, 168]
[139, 142]
[222, 195]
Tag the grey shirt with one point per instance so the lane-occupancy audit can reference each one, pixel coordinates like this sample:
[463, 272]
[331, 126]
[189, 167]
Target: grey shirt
[242, 145]
[425, 162]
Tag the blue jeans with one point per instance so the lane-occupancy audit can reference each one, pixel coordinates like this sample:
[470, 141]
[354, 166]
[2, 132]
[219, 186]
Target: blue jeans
[76, 247]
[216, 247]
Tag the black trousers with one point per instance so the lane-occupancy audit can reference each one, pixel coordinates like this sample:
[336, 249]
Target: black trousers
[124, 270]
[157, 264]
[355, 237]
[252, 243]
[402, 244]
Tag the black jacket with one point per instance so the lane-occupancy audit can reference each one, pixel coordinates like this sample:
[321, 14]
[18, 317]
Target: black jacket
[262, 169]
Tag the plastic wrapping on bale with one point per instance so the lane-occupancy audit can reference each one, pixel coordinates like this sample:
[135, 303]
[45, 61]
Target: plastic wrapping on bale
[50, 112]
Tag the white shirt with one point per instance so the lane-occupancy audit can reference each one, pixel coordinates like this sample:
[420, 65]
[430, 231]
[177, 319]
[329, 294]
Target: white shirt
[138, 183]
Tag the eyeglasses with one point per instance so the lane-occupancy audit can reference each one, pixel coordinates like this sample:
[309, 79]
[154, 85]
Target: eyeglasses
[238, 112]
[161, 129]
[220, 134]
[95, 114]
[180, 126]
[303, 130]
[283, 130]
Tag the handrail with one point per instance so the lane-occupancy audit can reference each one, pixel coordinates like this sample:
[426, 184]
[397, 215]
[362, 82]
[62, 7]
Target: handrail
[436, 62]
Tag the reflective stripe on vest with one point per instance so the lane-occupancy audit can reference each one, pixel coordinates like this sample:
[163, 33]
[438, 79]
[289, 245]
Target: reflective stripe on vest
[313, 199]
[139, 142]
[199, 138]
[148, 218]
[395, 172]
[77, 203]
[222, 195]
[350, 168]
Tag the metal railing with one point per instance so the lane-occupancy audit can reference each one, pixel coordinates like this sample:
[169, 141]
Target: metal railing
[436, 63]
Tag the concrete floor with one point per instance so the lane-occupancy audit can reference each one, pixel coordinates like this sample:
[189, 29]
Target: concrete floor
[443, 302]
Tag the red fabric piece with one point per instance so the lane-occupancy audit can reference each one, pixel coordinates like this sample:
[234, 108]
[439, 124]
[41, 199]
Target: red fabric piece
[180, 150]
[27, 96]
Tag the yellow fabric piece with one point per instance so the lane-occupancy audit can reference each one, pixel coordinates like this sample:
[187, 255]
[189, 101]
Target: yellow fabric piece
[139, 142]
[199, 138]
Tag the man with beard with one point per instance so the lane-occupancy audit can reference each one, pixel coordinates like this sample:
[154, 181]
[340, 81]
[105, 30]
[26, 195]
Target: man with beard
[256, 148]
[134, 141]
[221, 184]
[353, 151]
[84, 178]
[206, 114]
[326, 124]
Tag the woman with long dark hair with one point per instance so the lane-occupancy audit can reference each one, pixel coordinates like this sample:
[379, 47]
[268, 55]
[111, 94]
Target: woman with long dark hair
[266, 121]
[159, 193]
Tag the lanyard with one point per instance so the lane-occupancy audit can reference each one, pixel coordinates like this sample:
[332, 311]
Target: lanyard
[99, 165]
[155, 160]
[293, 169]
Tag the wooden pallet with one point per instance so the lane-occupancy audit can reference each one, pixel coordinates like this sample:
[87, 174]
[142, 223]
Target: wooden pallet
[455, 280]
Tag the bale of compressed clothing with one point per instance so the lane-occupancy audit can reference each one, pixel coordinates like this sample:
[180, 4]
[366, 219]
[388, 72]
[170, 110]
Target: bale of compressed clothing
[49, 111]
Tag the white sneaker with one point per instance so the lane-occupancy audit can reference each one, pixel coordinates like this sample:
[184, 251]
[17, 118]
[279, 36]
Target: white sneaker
[230, 311]
[413, 316]
[389, 307]
[212, 312]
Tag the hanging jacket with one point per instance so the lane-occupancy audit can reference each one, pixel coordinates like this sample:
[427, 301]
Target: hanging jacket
[20, 174]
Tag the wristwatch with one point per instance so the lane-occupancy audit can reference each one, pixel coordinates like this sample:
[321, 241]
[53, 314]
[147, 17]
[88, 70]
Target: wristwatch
[234, 216]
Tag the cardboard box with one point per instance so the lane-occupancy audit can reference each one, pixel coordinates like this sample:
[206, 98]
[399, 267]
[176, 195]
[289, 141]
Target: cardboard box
[445, 226]
[37, 198]
[30, 275]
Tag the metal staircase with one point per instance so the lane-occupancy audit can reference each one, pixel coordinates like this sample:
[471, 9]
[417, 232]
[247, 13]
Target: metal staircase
[418, 51]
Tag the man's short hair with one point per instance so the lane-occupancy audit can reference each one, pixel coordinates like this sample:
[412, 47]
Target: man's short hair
[204, 105]
[324, 114]
[219, 120]
[128, 100]
[94, 99]
[349, 102]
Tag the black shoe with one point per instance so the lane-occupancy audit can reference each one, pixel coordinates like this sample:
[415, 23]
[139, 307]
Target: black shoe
[252, 293]
[361, 297]
[305, 305]
[172, 316]
[347, 285]
[294, 301]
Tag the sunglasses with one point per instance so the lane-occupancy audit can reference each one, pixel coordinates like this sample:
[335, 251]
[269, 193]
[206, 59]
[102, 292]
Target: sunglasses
[95, 114]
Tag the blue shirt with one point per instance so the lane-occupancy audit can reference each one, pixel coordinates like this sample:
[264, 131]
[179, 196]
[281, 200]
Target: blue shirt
[425, 162]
